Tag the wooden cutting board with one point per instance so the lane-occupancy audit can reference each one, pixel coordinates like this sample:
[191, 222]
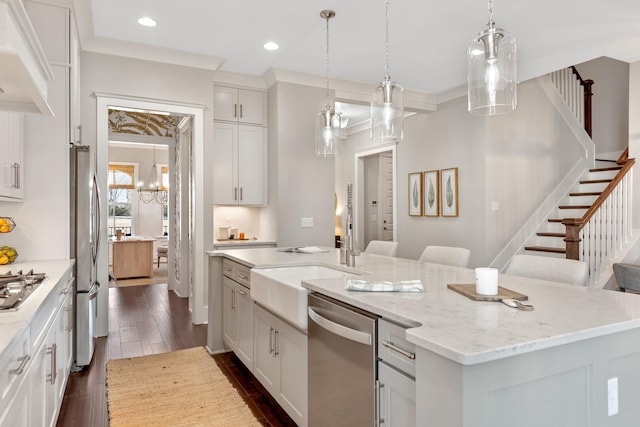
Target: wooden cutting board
[469, 291]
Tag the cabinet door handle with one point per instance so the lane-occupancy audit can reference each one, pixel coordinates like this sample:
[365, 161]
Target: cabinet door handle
[233, 299]
[23, 364]
[235, 193]
[378, 410]
[270, 340]
[240, 110]
[276, 351]
[397, 349]
[235, 110]
[243, 293]
[240, 193]
[54, 368]
[16, 175]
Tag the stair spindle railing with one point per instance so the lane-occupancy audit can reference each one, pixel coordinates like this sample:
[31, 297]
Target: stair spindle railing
[605, 227]
[577, 93]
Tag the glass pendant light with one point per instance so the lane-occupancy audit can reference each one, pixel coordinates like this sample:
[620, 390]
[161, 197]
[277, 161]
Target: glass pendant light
[328, 122]
[387, 106]
[491, 71]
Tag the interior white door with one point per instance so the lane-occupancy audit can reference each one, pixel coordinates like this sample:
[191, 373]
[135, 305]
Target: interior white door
[385, 197]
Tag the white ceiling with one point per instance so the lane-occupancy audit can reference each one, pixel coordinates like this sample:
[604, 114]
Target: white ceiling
[428, 40]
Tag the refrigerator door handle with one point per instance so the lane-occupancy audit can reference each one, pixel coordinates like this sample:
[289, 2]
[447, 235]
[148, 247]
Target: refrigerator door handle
[96, 220]
[95, 289]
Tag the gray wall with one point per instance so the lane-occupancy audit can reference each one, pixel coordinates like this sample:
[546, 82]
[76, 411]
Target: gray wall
[610, 103]
[300, 184]
[514, 159]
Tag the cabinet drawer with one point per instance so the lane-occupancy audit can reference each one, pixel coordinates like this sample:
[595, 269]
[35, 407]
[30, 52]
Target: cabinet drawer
[243, 275]
[229, 269]
[394, 349]
[14, 365]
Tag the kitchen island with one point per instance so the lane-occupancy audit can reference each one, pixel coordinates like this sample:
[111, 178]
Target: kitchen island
[486, 364]
[132, 257]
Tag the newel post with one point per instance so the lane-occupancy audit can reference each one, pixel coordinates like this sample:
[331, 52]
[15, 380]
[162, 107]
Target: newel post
[572, 237]
[588, 94]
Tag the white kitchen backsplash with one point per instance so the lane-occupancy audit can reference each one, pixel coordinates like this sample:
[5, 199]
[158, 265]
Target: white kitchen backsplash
[245, 219]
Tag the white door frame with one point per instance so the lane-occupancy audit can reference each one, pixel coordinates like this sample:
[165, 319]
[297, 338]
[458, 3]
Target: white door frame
[104, 102]
[359, 207]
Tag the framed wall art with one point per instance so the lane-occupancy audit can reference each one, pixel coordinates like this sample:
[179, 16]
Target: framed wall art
[431, 187]
[415, 194]
[449, 191]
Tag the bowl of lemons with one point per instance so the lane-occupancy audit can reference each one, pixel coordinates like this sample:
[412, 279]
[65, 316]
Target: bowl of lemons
[7, 224]
[7, 255]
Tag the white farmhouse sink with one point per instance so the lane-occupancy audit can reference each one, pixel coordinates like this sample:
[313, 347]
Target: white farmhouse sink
[280, 289]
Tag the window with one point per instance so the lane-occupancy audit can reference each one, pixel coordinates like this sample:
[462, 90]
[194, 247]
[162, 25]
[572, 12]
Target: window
[120, 196]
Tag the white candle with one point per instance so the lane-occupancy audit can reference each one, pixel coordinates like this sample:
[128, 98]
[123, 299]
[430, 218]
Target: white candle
[486, 281]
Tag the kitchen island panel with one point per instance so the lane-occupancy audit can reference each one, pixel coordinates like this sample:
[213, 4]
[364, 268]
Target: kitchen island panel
[132, 258]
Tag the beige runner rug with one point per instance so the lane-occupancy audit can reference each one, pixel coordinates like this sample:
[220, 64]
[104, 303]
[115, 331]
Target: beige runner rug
[180, 388]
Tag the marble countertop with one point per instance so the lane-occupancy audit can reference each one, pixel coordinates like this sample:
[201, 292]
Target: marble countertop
[458, 328]
[14, 322]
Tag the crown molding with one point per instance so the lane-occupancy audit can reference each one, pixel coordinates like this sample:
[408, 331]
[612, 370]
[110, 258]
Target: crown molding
[151, 53]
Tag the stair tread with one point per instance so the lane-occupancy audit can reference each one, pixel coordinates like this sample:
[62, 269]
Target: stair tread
[547, 234]
[606, 160]
[574, 206]
[610, 168]
[546, 249]
[595, 181]
[586, 193]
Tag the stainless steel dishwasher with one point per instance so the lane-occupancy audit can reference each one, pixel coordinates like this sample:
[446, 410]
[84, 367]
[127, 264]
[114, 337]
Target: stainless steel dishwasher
[342, 364]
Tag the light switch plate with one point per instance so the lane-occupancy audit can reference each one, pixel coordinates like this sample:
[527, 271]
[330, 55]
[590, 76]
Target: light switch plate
[306, 222]
[612, 396]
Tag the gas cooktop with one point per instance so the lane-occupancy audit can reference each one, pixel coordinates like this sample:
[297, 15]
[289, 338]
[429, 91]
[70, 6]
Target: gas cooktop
[16, 288]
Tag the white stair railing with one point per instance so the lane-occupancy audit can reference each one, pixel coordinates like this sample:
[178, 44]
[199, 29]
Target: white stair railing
[608, 229]
[571, 89]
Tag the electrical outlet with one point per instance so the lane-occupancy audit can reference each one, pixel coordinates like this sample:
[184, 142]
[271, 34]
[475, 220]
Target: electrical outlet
[306, 222]
[495, 206]
[612, 396]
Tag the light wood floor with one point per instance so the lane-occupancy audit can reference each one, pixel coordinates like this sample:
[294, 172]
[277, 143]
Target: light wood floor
[149, 320]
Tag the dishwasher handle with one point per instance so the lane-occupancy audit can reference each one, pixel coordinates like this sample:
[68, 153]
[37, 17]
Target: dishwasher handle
[341, 330]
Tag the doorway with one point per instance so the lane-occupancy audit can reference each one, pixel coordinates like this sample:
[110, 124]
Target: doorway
[375, 189]
[193, 243]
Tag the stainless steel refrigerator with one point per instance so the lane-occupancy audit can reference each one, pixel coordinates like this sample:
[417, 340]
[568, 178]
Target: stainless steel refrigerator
[85, 241]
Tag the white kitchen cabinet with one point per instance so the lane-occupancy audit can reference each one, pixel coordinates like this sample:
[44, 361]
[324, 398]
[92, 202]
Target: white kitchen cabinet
[35, 365]
[239, 105]
[11, 163]
[240, 165]
[237, 313]
[396, 383]
[43, 381]
[56, 29]
[280, 363]
[397, 397]
[15, 363]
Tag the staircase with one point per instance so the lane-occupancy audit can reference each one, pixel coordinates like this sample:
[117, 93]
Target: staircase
[549, 239]
[593, 221]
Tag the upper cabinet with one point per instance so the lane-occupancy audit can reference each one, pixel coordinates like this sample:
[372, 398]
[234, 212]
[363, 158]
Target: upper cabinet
[240, 105]
[11, 160]
[25, 73]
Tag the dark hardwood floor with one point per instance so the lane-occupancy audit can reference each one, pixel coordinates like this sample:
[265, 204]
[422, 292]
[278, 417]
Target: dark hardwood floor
[148, 320]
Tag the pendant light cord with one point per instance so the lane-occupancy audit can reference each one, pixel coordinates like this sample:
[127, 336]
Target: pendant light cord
[490, 11]
[386, 46]
[328, 17]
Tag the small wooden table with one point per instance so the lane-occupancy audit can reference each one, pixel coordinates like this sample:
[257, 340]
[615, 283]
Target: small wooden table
[132, 258]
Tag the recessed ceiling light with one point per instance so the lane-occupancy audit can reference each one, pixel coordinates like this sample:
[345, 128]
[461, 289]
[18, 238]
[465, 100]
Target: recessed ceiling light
[147, 22]
[271, 46]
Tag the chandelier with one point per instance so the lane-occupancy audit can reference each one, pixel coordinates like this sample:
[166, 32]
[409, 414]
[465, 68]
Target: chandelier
[153, 191]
